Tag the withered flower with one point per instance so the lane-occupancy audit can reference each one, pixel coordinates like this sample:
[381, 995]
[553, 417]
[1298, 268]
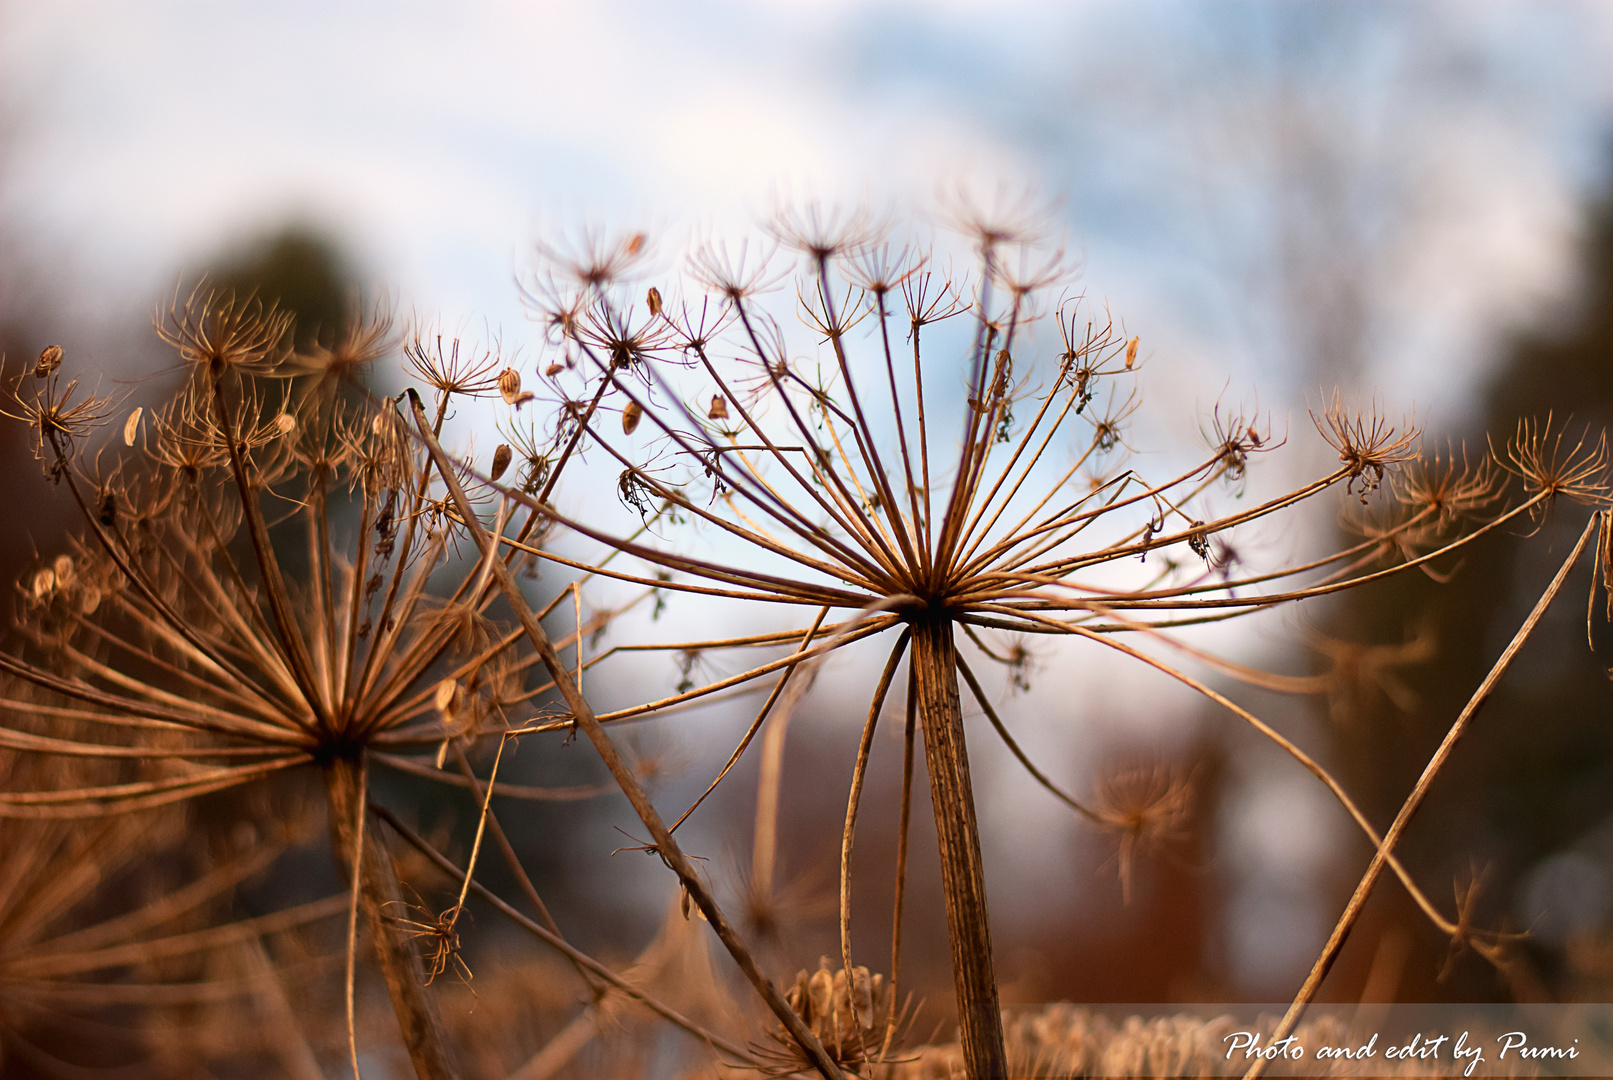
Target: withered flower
[868, 498]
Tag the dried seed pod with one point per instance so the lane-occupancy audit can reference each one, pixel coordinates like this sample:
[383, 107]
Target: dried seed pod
[509, 385]
[632, 413]
[654, 300]
[635, 243]
[285, 423]
[1131, 352]
[131, 426]
[444, 697]
[501, 461]
[552, 370]
[719, 408]
[49, 361]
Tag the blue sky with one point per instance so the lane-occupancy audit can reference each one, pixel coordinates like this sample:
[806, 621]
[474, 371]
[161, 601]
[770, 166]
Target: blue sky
[1208, 161]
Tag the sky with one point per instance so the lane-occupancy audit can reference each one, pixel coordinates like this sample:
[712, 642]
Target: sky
[1277, 197]
[1417, 167]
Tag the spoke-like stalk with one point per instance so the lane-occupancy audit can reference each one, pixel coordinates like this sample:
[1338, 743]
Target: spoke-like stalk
[963, 874]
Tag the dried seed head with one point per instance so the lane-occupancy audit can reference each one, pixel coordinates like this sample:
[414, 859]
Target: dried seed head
[366, 338]
[1145, 806]
[1368, 445]
[445, 369]
[217, 331]
[49, 360]
[1441, 486]
[846, 1011]
[1550, 466]
[501, 461]
[509, 385]
[632, 413]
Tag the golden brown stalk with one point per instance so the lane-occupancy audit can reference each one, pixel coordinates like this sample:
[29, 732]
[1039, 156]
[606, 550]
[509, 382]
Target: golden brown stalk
[963, 872]
[382, 900]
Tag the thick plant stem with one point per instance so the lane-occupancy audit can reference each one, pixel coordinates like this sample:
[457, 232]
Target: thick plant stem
[379, 896]
[962, 871]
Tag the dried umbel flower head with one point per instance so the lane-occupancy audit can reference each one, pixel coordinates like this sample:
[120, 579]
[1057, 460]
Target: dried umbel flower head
[202, 650]
[1145, 806]
[56, 422]
[1447, 486]
[1368, 445]
[863, 499]
[868, 497]
[220, 332]
[1551, 465]
[847, 1011]
[103, 924]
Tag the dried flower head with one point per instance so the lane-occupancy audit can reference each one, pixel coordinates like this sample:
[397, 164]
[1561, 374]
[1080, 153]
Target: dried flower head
[1145, 806]
[219, 332]
[873, 499]
[1551, 466]
[1368, 445]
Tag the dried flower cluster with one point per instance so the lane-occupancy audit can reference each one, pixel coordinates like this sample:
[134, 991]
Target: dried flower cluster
[287, 575]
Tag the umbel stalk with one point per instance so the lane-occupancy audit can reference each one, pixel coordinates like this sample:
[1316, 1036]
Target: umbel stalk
[380, 896]
[963, 875]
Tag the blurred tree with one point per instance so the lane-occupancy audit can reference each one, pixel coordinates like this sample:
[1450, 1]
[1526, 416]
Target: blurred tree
[300, 270]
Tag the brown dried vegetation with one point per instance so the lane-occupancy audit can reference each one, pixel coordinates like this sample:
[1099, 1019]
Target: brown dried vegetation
[220, 625]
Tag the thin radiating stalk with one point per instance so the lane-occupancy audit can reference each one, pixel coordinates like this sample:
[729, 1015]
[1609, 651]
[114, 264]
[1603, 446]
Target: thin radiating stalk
[583, 714]
[849, 833]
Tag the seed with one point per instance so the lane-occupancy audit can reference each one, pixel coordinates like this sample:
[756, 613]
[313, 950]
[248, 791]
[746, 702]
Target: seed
[49, 361]
[445, 694]
[509, 385]
[654, 299]
[719, 408]
[131, 426]
[632, 413]
[1131, 352]
[501, 461]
